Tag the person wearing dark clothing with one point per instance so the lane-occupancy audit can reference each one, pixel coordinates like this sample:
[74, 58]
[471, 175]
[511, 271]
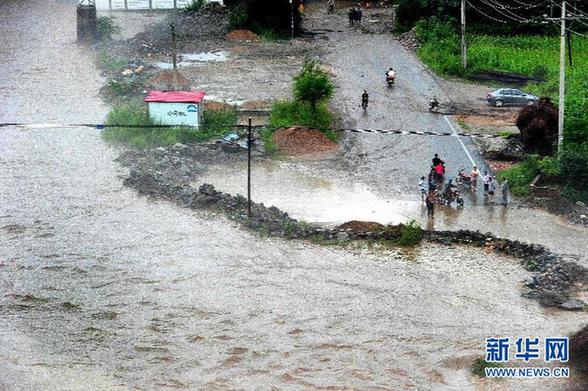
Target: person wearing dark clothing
[437, 161]
[364, 99]
[351, 15]
[430, 201]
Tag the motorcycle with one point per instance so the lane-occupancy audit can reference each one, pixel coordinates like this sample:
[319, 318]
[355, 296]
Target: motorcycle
[463, 179]
[447, 198]
[433, 105]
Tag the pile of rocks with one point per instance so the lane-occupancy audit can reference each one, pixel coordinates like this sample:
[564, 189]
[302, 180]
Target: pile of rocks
[409, 40]
[554, 277]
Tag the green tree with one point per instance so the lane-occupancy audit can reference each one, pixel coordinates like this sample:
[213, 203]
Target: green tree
[312, 84]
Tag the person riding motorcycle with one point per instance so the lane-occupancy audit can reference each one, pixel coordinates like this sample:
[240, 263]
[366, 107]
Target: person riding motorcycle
[364, 99]
[390, 76]
[450, 192]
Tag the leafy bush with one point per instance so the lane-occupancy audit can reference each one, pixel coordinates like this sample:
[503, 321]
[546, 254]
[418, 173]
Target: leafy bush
[194, 6]
[238, 18]
[145, 134]
[312, 84]
[410, 234]
[521, 175]
[479, 365]
[106, 27]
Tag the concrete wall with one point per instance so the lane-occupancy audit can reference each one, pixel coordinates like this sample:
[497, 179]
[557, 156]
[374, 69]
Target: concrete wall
[144, 4]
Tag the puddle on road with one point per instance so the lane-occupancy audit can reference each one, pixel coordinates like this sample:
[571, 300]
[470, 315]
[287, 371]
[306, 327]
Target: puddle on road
[190, 59]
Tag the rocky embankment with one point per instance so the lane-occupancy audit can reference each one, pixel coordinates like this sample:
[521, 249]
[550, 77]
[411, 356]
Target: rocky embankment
[167, 173]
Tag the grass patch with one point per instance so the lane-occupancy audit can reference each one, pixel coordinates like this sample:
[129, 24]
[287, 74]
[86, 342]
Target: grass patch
[505, 134]
[288, 113]
[111, 63]
[214, 124]
[410, 234]
[479, 365]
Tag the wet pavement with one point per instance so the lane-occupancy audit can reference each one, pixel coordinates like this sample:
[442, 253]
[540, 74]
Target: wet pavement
[101, 289]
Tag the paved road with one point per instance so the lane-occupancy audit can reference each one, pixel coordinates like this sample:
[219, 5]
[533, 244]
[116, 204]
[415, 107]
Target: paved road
[394, 161]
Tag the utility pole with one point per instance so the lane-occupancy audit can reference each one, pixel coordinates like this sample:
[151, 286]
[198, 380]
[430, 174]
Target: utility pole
[562, 78]
[464, 49]
[249, 142]
[173, 32]
[292, 19]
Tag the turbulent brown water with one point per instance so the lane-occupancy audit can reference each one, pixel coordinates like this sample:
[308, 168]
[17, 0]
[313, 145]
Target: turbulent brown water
[103, 290]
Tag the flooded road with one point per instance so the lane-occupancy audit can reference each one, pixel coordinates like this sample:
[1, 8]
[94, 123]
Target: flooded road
[311, 192]
[103, 290]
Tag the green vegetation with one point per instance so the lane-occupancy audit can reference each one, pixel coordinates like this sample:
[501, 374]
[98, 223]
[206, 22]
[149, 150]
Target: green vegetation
[536, 56]
[288, 113]
[520, 175]
[106, 27]
[410, 234]
[124, 87]
[145, 134]
[312, 84]
[194, 5]
[111, 63]
[506, 134]
[479, 365]
[238, 18]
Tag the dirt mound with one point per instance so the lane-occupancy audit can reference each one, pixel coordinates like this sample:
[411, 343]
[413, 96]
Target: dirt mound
[298, 140]
[169, 80]
[242, 35]
[362, 226]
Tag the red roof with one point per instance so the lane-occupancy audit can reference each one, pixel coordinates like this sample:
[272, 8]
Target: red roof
[175, 96]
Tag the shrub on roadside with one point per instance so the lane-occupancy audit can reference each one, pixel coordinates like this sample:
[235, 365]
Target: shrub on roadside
[194, 5]
[410, 234]
[312, 84]
[106, 28]
[521, 175]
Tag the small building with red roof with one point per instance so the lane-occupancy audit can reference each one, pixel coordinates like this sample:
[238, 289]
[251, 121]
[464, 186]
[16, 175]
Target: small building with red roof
[176, 107]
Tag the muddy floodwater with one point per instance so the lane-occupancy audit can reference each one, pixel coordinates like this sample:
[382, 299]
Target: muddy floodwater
[101, 289]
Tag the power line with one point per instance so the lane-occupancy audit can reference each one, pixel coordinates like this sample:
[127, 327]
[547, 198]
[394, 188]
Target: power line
[486, 15]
